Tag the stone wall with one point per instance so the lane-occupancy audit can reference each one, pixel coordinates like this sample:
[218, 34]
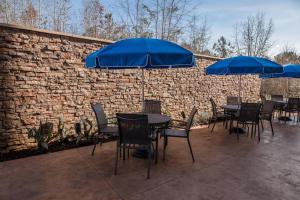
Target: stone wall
[288, 87]
[43, 78]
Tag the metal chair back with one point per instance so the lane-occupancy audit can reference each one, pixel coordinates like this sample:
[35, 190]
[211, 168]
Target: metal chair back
[263, 99]
[213, 107]
[152, 106]
[100, 115]
[267, 110]
[293, 104]
[249, 112]
[231, 100]
[191, 119]
[133, 129]
[277, 97]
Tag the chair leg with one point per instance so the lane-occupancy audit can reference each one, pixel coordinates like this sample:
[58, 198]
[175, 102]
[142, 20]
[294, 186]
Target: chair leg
[237, 131]
[124, 153]
[262, 125]
[165, 145]
[95, 145]
[209, 121]
[252, 130]
[230, 126]
[285, 117]
[226, 123]
[191, 149]
[213, 126]
[156, 149]
[149, 161]
[258, 130]
[271, 127]
[93, 151]
[167, 140]
[117, 155]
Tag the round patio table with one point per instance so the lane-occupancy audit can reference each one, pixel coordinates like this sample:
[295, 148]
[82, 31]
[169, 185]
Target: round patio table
[157, 119]
[233, 108]
[154, 121]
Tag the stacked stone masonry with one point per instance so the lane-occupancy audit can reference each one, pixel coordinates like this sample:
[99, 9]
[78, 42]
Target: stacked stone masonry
[43, 77]
[288, 87]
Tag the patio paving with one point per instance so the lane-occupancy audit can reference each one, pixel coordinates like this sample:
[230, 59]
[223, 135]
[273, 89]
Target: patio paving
[224, 169]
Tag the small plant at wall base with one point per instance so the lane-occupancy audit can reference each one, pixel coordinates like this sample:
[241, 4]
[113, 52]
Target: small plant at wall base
[83, 129]
[42, 135]
[203, 118]
[62, 132]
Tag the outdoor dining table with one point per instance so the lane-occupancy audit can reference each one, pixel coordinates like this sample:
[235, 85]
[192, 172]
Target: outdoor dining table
[278, 102]
[233, 108]
[154, 121]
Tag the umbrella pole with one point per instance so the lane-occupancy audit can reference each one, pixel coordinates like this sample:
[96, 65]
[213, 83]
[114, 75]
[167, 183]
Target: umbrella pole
[143, 90]
[240, 87]
[287, 88]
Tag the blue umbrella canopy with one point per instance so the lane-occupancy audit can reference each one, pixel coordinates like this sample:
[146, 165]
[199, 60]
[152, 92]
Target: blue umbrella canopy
[144, 53]
[242, 65]
[141, 53]
[289, 71]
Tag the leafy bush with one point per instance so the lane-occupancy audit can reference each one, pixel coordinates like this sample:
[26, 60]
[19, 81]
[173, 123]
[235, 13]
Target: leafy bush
[42, 135]
[203, 118]
[83, 129]
[62, 132]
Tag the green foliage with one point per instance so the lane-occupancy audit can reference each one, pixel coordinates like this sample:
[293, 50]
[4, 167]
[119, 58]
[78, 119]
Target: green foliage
[85, 130]
[42, 135]
[166, 112]
[62, 132]
[223, 48]
[203, 118]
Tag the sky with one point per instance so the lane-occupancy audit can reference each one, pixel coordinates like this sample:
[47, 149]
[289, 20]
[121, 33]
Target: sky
[223, 15]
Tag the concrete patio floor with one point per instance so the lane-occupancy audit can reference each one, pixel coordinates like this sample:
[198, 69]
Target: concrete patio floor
[224, 169]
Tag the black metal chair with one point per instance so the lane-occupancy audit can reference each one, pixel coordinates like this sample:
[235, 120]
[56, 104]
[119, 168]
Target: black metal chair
[279, 106]
[249, 115]
[217, 116]
[180, 132]
[232, 100]
[266, 113]
[105, 130]
[292, 107]
[152, 106]
[263, 99]
[134, 133]
[277, 97]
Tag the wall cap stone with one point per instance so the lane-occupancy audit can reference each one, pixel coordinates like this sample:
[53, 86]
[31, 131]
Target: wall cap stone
[20, 27]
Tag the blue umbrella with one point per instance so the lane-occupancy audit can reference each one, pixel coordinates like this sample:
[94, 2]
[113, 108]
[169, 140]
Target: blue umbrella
[242, 65]
[144, 53]
[289, 71]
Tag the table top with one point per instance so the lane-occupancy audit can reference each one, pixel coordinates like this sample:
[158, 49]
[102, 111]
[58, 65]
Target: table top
[157, 119]
[231, 107]
[279, 101]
